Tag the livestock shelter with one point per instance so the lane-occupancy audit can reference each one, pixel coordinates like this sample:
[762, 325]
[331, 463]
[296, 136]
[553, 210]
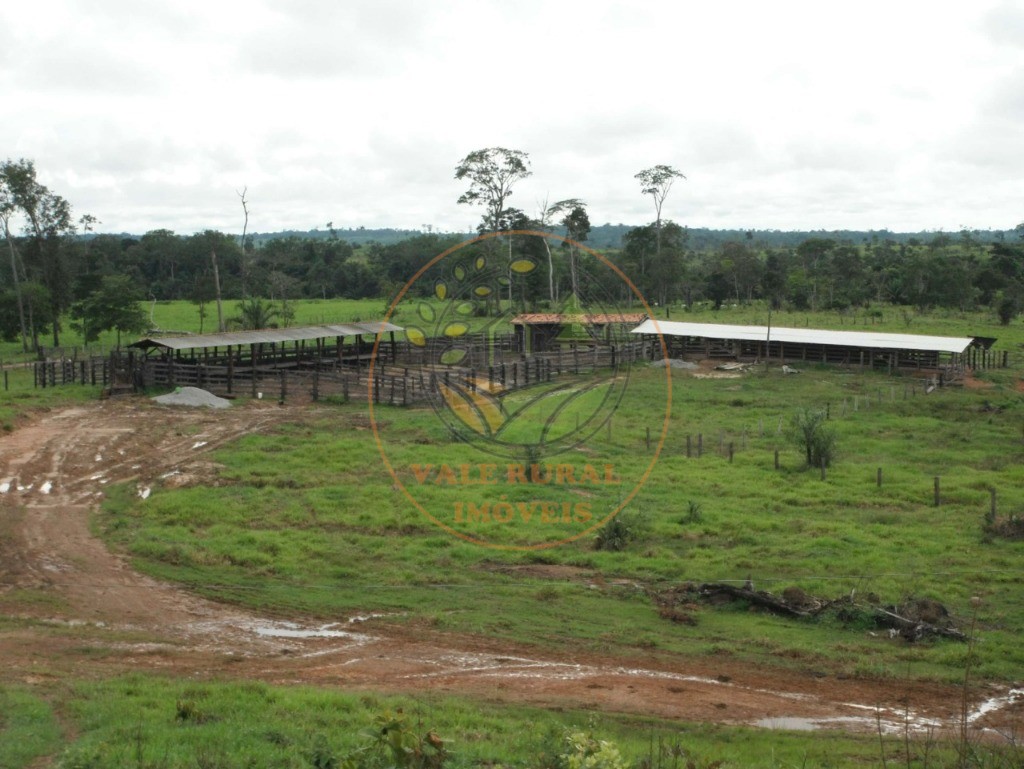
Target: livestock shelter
[206, 358]
[541, 331]
[807, 345]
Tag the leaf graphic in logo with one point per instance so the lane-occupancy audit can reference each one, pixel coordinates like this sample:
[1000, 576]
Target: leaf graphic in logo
[523, 266]
[480, 411]
[552, 416]
[456, 329]
[452, 356]
[426, 312]
[416, 336]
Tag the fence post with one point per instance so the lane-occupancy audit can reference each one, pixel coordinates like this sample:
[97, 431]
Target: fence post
[648, 438]
[730, 452]
[776, 459]
[878, 477]
[823, 473]
[688, 437]
[992, 502]
[938, 497]
[700, 444]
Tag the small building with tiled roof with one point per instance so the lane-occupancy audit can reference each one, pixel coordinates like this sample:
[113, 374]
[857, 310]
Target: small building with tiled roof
[543, 331]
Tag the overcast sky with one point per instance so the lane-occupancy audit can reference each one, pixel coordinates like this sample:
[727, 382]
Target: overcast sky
[901, 114]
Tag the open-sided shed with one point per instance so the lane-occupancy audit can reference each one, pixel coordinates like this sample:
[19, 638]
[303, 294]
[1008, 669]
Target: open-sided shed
[782, 344]
[270, 344]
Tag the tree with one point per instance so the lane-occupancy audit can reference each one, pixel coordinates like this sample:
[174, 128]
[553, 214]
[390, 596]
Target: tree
[656, 182]
[255, 313]
[548, 212]
[810, 431]
[491, 173]
[48, 218]
[656, 277]
[577, 228]
[112, 306]
[7, 208]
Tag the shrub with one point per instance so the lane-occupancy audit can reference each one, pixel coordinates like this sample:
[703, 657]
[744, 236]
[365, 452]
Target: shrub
[617, 534]
[815, 438]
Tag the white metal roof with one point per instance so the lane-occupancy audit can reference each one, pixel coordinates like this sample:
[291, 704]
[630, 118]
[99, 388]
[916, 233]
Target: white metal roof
[867, 339]
[265, 336]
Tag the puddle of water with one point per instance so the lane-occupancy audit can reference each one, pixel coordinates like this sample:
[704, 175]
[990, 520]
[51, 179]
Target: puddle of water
[293, 630]
[96, 477]
[798, 724]
[995, 703]
[790, 723]
[198, 444]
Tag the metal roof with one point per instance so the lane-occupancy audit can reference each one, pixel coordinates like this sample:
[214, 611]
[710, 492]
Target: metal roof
[552, 318]
[865, 339]
[265, 336]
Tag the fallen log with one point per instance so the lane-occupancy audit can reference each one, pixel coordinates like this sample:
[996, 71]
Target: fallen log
[756, 597]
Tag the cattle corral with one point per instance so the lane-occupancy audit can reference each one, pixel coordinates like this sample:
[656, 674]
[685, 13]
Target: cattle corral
[360, 360]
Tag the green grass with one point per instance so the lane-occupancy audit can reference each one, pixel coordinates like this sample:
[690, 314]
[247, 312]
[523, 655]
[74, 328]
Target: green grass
[28, 728]
[156, 722]
[309, 522]
[21, 397]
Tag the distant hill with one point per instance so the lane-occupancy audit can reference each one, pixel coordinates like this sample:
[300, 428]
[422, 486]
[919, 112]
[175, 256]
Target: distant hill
[610, 236]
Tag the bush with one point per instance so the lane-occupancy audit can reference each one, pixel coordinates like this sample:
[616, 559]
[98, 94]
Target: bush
[815, 438]
[618, 533]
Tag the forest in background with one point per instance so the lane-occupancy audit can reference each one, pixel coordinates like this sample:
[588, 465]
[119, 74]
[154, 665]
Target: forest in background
[61, 271]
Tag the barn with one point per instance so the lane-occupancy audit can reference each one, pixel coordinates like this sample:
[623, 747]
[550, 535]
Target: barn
[874, 349]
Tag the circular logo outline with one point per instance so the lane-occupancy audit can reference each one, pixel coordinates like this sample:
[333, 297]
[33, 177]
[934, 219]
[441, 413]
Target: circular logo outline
[624, 501]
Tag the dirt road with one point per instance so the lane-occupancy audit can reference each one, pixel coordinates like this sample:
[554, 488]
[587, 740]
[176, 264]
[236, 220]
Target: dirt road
[84, 611]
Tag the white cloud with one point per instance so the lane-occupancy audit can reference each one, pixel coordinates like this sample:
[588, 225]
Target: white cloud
[788, 114]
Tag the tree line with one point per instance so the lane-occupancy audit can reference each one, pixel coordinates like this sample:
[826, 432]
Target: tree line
[59, 271]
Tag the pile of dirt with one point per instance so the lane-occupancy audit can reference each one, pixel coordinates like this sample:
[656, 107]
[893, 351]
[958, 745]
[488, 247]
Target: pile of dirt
[192, 396]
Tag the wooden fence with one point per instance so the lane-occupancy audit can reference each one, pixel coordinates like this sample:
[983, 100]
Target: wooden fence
[400, 383]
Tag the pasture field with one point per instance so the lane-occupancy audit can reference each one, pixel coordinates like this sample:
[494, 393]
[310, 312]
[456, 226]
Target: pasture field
[303, 521]
[306, 520]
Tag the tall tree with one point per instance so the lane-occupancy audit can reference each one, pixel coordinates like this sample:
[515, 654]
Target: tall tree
[548, 212]
[491, 173]
[656, 181]
[577, 229]
[7, 209]
[49, 222]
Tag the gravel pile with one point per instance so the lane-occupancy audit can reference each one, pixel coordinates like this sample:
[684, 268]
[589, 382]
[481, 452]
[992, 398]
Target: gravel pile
[675, 363]
[192, 396]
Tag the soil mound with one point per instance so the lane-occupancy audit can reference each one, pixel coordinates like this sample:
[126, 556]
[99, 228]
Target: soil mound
[192, 396]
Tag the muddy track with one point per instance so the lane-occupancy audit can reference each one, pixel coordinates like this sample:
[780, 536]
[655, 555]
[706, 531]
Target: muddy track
[85, 611]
